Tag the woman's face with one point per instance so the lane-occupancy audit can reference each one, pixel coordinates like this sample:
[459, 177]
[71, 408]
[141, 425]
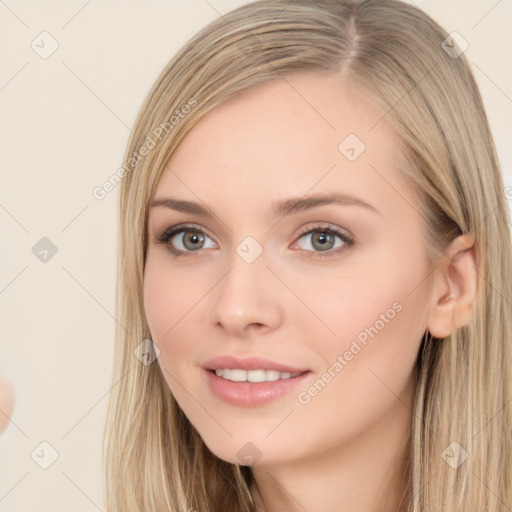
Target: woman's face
[334, 290]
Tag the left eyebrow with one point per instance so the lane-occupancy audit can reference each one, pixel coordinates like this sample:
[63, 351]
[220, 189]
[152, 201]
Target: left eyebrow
[279, 208]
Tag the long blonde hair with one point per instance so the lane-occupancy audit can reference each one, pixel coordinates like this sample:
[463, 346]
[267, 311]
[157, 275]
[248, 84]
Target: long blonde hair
[154, 458]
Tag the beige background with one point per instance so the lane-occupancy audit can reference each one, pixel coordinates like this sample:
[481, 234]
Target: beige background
[64, 124]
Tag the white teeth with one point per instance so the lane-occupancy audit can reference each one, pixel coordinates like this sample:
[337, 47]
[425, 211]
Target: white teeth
[272, 375]
[253, 375]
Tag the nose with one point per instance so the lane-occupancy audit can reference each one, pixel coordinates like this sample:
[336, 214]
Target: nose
[248, 298]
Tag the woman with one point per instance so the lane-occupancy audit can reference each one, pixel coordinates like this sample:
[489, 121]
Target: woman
[314, 273]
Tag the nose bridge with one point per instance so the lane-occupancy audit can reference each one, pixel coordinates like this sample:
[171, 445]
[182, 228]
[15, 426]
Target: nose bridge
[247, 293]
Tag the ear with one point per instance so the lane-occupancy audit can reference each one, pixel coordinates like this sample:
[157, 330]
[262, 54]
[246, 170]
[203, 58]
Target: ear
[454, 290]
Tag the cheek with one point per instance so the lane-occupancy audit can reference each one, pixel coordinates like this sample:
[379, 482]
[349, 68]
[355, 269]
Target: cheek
[347, 305]
[366, 370]
[369, 319]
[174, 304]
[169, 295]
[166, 301]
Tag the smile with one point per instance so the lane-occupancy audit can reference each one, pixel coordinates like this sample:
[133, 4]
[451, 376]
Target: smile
[238, 375]
[253, 388]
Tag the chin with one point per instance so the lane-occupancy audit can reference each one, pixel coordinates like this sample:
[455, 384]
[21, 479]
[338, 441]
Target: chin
[247, 450]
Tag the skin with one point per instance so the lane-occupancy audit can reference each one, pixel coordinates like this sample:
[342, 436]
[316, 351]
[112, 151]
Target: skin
[6, 403]
[346, 446]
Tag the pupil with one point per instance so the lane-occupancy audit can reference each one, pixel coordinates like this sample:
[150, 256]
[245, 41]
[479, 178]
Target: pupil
[323, 238]
[194, 238]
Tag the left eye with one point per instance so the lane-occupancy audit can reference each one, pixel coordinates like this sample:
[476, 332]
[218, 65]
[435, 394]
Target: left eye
[322, 239]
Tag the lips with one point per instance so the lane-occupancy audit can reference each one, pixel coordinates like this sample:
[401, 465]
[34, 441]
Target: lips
[250, 363]
[253, 394]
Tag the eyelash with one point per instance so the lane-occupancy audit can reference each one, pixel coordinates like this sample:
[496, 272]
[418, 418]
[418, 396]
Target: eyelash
[169, 233]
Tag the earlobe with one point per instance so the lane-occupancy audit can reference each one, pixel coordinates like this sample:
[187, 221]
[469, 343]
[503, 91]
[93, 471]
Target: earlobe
[455, 289]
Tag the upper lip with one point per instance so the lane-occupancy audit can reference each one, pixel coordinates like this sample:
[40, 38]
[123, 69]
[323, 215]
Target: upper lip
[249, 363]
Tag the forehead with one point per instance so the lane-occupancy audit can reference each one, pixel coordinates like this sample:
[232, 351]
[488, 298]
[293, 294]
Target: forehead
[299, 133]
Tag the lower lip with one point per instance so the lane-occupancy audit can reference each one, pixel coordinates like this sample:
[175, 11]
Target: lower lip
[252, 394]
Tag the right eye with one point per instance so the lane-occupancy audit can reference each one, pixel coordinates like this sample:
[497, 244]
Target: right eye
[181, 240]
